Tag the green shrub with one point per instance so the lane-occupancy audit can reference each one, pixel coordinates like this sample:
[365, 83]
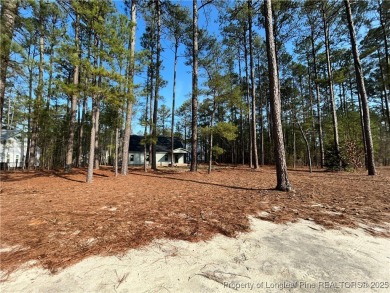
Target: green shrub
[333, 160]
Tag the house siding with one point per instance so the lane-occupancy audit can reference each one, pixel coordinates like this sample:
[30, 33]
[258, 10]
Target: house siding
[163, 147]
[137, 158]
[13, 149]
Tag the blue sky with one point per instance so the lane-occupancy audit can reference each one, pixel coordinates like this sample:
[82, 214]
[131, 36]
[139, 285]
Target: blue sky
[184, 73]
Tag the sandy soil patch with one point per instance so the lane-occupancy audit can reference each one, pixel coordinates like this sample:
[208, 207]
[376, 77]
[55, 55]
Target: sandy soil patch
[299, 257]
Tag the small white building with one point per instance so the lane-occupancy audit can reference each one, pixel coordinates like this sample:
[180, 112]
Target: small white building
[13, 149]
[163, 151]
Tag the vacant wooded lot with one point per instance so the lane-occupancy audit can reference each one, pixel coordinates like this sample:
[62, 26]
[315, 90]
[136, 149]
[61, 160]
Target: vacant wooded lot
[54, 219]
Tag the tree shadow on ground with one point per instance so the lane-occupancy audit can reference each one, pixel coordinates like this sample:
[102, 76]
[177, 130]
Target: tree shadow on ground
[22, 175]
[203, 182]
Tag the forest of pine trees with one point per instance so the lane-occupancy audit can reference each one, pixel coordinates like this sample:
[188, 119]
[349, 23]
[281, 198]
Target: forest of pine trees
[289, 83]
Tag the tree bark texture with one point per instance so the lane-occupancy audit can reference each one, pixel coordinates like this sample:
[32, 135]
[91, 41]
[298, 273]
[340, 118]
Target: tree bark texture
[283, 183]
[38, 102]
[385, 27]
[248, 100]
[194, 105]
[9, 11]
[330, 84]
[211, 137]
[362, 92]
[129, 107]
[385, 90]
[253, 89]
[95, 105]
[157, 85]
[116, 151]
[173, 101]
[91, 158]
[73, 107]
[318, 98]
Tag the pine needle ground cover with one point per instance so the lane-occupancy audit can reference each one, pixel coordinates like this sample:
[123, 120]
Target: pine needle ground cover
[52, 219]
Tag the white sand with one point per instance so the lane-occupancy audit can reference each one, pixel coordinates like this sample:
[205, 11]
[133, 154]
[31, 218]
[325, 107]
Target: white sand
[300, 257]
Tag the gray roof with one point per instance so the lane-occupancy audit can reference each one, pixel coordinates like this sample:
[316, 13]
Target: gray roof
[10, 133]
[163, 143]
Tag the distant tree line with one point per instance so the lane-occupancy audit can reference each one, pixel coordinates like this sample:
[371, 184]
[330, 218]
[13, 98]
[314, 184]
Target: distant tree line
[313, 92]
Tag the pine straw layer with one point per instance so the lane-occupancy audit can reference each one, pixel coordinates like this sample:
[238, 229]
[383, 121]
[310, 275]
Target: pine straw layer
[54, 219]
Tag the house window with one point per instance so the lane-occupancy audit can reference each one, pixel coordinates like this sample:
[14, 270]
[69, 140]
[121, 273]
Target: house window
[166, 158]
[131, 158]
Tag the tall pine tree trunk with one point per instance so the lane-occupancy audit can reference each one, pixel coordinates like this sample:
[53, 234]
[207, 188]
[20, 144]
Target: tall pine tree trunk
[248, 101]
[146, 124]
[81, 146]
[30, 55]
[253, 91]
[385, 27]
[173, 101]
[129, 107]
[330, 84]
[73, 107]
[95, 105]
[151, 122]
[91, 158]
[157, 85]
[242, 144]
[385, 90]
[280, 157]
[362, 92]
[9, 11]
[116, 151]
[261, 116]
[362, 129]
[194, 105]
[96, 164]
[211, 137]
[39, 95]
[311, 104]
[307, 144]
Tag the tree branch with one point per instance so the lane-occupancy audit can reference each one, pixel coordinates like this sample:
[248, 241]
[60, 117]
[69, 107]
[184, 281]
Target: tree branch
[204, 4]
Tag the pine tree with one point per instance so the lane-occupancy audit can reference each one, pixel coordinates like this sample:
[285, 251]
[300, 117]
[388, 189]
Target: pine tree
[362, 92]
[325, 7]
[74, 95]
[194, 123]
[9, 11]
[40, 11]
[253, 88]
[157, 83]
[312, 24]
[96, 17]
[176, 22]
[130, 99]
[283, 183]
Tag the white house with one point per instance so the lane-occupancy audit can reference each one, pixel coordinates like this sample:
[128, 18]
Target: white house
[13, 149]
[163, 151]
